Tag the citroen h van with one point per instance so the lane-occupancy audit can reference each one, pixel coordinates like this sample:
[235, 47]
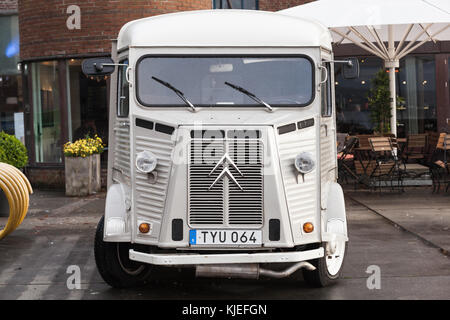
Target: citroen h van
[222, 154]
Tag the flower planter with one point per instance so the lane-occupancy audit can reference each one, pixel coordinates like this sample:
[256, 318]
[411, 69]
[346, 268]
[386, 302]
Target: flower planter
[82, 175]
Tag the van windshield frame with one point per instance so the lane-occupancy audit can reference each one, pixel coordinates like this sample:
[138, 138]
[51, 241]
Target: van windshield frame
[275, 72]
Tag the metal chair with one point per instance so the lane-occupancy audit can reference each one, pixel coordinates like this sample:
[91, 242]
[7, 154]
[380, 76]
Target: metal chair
[385, 166]
[440, 166]
[415, 148]
[340, 143]
[345, 160]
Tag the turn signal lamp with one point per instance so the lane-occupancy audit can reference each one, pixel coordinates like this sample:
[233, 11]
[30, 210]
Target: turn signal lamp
[144, 227]
[308, 227]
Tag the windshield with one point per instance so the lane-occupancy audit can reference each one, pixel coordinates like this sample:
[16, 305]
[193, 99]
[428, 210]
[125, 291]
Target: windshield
[276, 81]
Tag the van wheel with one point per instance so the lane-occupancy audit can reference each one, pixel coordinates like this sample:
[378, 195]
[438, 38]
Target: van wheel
[113, 262]
[328, 268]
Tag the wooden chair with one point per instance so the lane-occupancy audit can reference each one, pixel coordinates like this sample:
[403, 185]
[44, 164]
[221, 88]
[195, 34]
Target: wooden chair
[385, 165]
[415, 148]
[432, 142]
[363, 140]
[340, 143]
[443, 141]
[393, 139]
[440, 166]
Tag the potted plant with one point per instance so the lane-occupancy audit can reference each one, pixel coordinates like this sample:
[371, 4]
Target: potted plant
[12, 152]
[380, 102]
[82, 166]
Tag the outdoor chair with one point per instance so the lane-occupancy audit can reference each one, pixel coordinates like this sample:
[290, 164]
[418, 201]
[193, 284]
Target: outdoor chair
[385, 166]
[363, 140]
[363, 160]
[440, 166]
[415, 148]
[363, 149]
[345, 160]
[340, 143]
[432, 141]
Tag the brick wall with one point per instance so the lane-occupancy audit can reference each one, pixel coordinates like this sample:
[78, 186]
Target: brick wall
[8, 6]
[43, 30]
[49, 178]
[54, 178]
[275, 5]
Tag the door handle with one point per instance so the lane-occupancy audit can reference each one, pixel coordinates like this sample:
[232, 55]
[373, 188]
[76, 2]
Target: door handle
[326, 129]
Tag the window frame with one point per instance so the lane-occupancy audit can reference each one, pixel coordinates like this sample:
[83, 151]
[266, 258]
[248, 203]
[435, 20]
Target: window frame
[326, 88]
[181, 105]
[120, 76]
[221, 6]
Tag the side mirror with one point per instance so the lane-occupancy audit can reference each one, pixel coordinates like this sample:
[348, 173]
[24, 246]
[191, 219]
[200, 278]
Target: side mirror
[350, 69]
[98, 66]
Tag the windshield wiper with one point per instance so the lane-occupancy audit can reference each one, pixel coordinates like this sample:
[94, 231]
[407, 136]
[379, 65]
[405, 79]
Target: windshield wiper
[178, 92]
[249, 94]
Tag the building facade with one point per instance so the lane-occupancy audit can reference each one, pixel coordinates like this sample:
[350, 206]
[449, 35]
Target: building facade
[46, 100]
[60, 103]
[422, 81]
[11, 102]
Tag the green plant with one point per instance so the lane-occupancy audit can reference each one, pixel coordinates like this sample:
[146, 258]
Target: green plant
[379, 102]
[12, 151]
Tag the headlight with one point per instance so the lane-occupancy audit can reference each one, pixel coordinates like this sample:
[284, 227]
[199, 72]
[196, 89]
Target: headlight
[146, 161]
[304, 162]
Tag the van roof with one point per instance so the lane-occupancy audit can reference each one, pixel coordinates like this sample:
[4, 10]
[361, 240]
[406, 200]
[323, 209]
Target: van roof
[223, 28]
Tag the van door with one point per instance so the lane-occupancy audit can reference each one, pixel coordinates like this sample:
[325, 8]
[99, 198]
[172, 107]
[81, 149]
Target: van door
[328, 160]
[119, 133]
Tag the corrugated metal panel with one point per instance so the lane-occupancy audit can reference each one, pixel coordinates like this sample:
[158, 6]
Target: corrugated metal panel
[150, 197]
[301, 197]
[326, 152]
[122, 149]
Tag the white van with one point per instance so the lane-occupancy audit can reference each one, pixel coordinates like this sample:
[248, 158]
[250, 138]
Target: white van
[222, 152]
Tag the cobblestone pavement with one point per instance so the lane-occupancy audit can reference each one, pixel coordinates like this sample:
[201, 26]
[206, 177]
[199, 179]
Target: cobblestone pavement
[58, 232]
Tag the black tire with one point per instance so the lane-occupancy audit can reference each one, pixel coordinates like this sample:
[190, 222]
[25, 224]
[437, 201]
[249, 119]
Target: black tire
[113, 264]
[320, 277]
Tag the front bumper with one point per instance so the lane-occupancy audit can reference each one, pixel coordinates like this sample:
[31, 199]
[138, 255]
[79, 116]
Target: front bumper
[198, 259]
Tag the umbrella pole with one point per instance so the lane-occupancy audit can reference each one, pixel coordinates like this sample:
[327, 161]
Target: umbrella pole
[393, 100]
[392, 63]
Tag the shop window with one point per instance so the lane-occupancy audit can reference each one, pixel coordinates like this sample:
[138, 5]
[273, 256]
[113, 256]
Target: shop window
[46, 112]
[416, 84]
[352, 108]
[11, 106]
[236, 4]
[88, 105]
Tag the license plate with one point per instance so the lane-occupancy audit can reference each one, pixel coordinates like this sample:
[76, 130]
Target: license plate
[225, 237]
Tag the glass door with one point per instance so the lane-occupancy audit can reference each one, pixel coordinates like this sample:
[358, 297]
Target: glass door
[46, 112]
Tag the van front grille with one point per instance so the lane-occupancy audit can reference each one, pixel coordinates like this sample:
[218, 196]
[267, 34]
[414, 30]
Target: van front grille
[206, 205]
[226, 182]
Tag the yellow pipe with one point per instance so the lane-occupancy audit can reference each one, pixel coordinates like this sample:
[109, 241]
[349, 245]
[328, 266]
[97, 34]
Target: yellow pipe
[17, 188]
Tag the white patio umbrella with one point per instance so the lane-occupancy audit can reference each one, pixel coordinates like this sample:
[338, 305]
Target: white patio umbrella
[389, 29]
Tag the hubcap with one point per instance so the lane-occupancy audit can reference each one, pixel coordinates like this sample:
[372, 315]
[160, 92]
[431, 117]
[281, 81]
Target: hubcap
[335, 256]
